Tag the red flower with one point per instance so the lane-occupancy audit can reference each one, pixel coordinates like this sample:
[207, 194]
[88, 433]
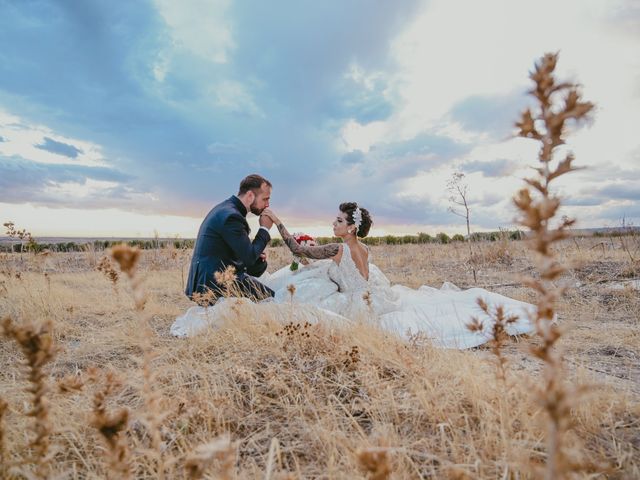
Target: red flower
[304, 239]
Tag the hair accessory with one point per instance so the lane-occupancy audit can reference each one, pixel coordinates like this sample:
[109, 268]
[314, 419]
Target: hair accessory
[357, 218]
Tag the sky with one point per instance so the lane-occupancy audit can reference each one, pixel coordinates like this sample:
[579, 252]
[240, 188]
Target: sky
[130, 118]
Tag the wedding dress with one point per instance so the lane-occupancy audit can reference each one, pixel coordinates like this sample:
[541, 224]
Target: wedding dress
[338, 290]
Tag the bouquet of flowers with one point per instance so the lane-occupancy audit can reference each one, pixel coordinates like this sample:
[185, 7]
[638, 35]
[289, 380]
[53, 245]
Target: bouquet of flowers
[305, 240]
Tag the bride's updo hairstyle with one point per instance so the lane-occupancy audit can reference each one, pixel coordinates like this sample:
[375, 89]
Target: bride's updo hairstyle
[349, 209]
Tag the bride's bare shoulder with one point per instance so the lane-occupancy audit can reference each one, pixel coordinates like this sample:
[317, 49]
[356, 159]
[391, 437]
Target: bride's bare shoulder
[360, 256]
[363, 251]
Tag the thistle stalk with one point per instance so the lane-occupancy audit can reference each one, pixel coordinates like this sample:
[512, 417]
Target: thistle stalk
[36, 344]
[127, 258]
[538, 206]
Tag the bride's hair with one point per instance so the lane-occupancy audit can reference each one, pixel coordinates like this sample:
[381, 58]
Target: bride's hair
[349, 209]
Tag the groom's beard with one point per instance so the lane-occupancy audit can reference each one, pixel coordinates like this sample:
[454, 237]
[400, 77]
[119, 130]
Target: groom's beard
[255, 210]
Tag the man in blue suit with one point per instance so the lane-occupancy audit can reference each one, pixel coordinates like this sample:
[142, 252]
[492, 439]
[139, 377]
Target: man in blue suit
[223, 241]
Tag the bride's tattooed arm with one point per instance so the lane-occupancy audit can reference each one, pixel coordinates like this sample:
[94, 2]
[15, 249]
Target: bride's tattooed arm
[317, 253]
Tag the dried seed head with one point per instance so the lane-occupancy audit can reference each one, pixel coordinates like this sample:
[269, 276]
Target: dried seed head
[204, 299]
[220, 449]
[366, 296]
[127, 257]
[105, 266]
[110, 425]
[226, 278]
[475, 325]
[70, 383]
[375, 461]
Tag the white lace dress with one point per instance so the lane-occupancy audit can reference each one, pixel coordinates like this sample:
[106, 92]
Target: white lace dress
[439, 316]
[337, 287]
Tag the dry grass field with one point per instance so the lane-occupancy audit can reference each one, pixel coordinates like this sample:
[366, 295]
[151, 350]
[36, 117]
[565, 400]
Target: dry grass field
[257, 399]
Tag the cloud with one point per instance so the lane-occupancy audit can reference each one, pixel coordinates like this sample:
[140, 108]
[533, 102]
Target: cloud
[501, 167]
[581, 201]
[363, 97]
[491, 199]
[156, 86]
[491, 114]
[619, 191]
[59, 148]
[357, 156]
[59, 185]
[613, 215]
[201, 27]
[380, 180]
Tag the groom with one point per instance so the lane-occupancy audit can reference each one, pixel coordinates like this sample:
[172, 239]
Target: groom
[223, 241]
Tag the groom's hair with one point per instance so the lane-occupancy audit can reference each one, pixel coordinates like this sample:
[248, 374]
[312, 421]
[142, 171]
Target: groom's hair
[252, 182]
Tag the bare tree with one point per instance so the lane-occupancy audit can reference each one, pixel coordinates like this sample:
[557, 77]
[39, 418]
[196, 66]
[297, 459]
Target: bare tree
[458, 189]
[22, 235]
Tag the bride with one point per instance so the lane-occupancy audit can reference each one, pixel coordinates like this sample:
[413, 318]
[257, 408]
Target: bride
[345, 284]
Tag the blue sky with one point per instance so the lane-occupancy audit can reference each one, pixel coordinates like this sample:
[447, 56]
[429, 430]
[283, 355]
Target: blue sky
[127, 117]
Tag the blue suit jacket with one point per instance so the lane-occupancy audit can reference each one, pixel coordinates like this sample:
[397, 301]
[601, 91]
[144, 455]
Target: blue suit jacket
[223, 240]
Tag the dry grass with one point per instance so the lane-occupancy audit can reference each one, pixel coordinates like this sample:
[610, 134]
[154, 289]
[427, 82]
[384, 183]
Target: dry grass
[332, 403]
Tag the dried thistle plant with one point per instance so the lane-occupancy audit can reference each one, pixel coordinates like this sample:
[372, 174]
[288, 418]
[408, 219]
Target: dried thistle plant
[219, 450]
[70, 383]
[352, 357]
[127, 258]
[154, 415]
[107, 268]
[205, 299]
[227, 278]
[111, 425]
[499, 333]
[376, 462]
[537, 207]
[37, 346]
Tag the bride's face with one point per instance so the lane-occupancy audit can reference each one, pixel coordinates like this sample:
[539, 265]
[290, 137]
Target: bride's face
[340, 225]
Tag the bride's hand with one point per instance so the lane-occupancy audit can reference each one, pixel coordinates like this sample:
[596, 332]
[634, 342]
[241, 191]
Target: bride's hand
[269, 213]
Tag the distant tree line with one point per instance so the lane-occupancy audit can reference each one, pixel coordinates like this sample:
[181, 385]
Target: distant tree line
[96, 245]
[422, 238]
[34, 246]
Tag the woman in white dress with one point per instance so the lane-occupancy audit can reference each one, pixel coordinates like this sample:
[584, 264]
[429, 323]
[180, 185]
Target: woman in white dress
[345, 282]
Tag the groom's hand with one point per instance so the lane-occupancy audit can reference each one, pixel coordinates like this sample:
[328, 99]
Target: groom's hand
[265, 221]
[263, 256]
[269, 213]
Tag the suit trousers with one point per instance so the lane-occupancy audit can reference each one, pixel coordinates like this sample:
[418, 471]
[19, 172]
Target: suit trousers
[244, 286]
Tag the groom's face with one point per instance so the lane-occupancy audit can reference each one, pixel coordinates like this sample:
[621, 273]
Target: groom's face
[261, 200]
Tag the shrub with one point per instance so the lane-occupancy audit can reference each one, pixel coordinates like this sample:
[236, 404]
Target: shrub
[424, 238]
[443, 238]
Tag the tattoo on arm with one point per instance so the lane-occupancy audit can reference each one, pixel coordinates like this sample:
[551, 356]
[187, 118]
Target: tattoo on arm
[317, 253]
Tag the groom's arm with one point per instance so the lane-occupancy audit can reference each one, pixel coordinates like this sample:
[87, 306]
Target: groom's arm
[235, 235]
